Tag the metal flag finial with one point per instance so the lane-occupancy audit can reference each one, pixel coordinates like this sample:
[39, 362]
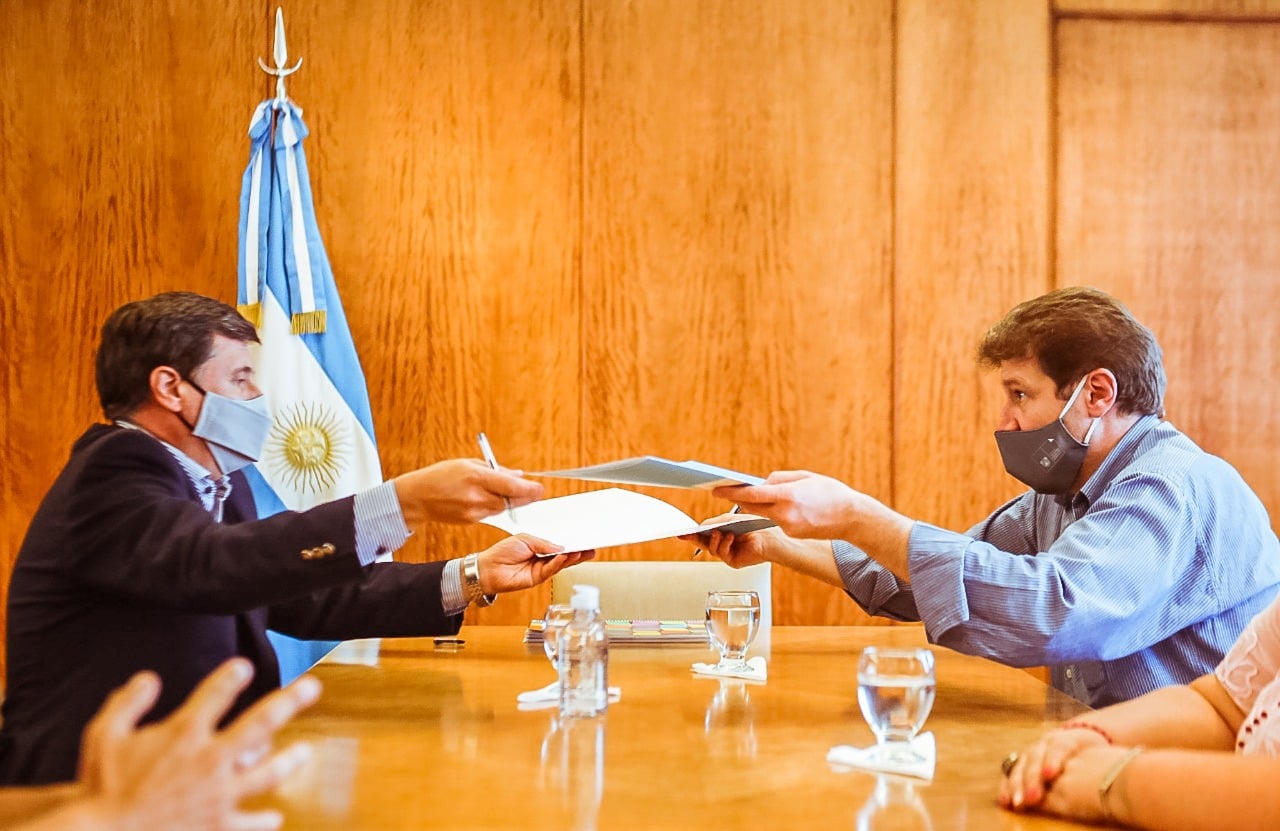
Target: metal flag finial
[281, 54]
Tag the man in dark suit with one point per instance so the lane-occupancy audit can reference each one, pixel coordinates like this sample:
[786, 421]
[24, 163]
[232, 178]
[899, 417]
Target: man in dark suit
[147, 554]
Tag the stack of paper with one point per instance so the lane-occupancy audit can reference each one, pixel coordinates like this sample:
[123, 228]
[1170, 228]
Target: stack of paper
[639, 631]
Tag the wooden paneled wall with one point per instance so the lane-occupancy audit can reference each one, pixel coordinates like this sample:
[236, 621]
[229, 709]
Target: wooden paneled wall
[1169, 195]
[760, 234]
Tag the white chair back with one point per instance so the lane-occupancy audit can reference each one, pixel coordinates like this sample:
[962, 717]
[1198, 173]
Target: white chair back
[664, 590]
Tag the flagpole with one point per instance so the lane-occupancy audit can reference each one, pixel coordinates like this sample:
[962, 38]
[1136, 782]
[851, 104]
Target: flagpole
[280, 52]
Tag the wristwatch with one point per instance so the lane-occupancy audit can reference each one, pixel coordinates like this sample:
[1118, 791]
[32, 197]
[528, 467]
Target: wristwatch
[471, 582]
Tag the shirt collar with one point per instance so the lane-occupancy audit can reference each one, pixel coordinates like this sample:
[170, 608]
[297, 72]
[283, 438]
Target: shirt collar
[1119, 457]
[213, 491]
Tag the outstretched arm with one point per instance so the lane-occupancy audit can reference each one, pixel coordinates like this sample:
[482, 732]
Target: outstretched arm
[813, 507]
[461, 491]
[810, 557]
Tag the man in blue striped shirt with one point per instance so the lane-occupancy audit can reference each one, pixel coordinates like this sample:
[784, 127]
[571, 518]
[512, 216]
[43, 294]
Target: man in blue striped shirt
[1134, 561]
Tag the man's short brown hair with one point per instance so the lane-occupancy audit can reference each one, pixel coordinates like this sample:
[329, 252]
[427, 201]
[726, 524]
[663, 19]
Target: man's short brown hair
[1073, 331]
[173, 329]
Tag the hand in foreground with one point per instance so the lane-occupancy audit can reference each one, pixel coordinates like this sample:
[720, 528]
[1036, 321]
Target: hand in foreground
[461, 491]
[1038, 767]
[513, 564]
[805, 505]
[183, 772]
[1074, 792]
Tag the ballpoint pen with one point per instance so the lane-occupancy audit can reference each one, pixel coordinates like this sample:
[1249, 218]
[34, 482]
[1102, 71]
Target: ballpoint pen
[697, 551]
[493, 463]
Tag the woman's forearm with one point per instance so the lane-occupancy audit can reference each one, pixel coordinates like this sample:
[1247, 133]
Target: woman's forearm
[1188, 790]
[1148, 719]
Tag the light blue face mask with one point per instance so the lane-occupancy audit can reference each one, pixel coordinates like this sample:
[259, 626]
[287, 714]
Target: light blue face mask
[235, 431]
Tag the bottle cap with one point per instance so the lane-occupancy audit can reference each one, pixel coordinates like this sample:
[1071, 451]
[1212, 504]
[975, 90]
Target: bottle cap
[585, 597]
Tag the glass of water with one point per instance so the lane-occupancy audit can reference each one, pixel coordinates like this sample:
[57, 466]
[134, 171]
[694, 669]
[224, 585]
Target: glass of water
[895, 692]
[553, 620]
[733, 618]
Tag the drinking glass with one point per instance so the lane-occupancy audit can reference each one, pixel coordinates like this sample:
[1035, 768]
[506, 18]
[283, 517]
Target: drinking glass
[895, 692]
[733, 618]
[553, 620]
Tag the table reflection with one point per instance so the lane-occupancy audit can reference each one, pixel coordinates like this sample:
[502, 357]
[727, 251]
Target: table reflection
[729, 724]
[430, 738]
[327, 781]
[572, 766]
[895, 805]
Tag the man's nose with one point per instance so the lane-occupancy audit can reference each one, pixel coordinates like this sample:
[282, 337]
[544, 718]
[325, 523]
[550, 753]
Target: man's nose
[1006, 420]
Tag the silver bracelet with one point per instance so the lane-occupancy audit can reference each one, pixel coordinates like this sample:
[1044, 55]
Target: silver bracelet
[1111, 777]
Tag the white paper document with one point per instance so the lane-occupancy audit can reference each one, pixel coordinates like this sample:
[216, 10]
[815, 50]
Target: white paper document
[609, 517]
[656, 471]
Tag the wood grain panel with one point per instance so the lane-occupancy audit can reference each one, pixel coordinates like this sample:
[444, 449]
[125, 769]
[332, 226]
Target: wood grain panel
[737, 246]
[10, 171]
[1185, 9]
[123, 142]
[445, 158]
[1169, 198]
[972, 224]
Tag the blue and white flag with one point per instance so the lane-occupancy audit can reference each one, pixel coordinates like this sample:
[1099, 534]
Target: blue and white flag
[321, 445]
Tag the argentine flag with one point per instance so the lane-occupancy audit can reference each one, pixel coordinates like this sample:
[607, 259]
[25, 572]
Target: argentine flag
[321, 445]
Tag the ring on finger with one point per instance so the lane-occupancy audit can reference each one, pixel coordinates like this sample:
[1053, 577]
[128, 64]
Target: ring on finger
[1007, 763]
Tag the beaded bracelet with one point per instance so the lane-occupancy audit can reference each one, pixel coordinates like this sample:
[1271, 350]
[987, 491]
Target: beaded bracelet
[1111, 777]
[1084, 725]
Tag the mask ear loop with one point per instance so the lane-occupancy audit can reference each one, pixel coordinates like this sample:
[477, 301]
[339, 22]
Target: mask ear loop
[1088, 435]
[1074, 396]
[200, 389]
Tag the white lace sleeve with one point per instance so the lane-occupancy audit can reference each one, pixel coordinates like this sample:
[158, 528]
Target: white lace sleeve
[1253, 662]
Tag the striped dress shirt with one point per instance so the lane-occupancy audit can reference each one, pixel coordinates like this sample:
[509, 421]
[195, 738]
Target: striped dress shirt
[1144, 578]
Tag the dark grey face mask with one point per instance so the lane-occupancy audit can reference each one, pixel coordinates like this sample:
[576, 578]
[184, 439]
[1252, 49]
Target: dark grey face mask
[1049, 459]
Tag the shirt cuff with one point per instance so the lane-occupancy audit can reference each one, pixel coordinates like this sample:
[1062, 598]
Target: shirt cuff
[871, 585]
[380, 527]
[935, 560]
[452, 597]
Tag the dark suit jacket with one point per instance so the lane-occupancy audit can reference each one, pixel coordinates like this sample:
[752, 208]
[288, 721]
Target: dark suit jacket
[122, 569]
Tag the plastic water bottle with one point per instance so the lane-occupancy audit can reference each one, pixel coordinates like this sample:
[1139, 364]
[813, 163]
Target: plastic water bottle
[583, 657]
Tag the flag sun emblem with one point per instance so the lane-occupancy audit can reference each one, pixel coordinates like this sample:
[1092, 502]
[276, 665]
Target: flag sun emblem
[307, 447]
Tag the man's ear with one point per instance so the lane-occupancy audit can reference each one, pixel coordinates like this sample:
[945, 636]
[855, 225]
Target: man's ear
[165, 381]
[1100, 392]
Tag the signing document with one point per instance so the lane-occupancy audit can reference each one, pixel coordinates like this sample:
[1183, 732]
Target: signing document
[609, 517]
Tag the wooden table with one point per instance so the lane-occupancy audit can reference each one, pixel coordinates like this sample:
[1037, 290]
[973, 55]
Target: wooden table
[434, 739]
